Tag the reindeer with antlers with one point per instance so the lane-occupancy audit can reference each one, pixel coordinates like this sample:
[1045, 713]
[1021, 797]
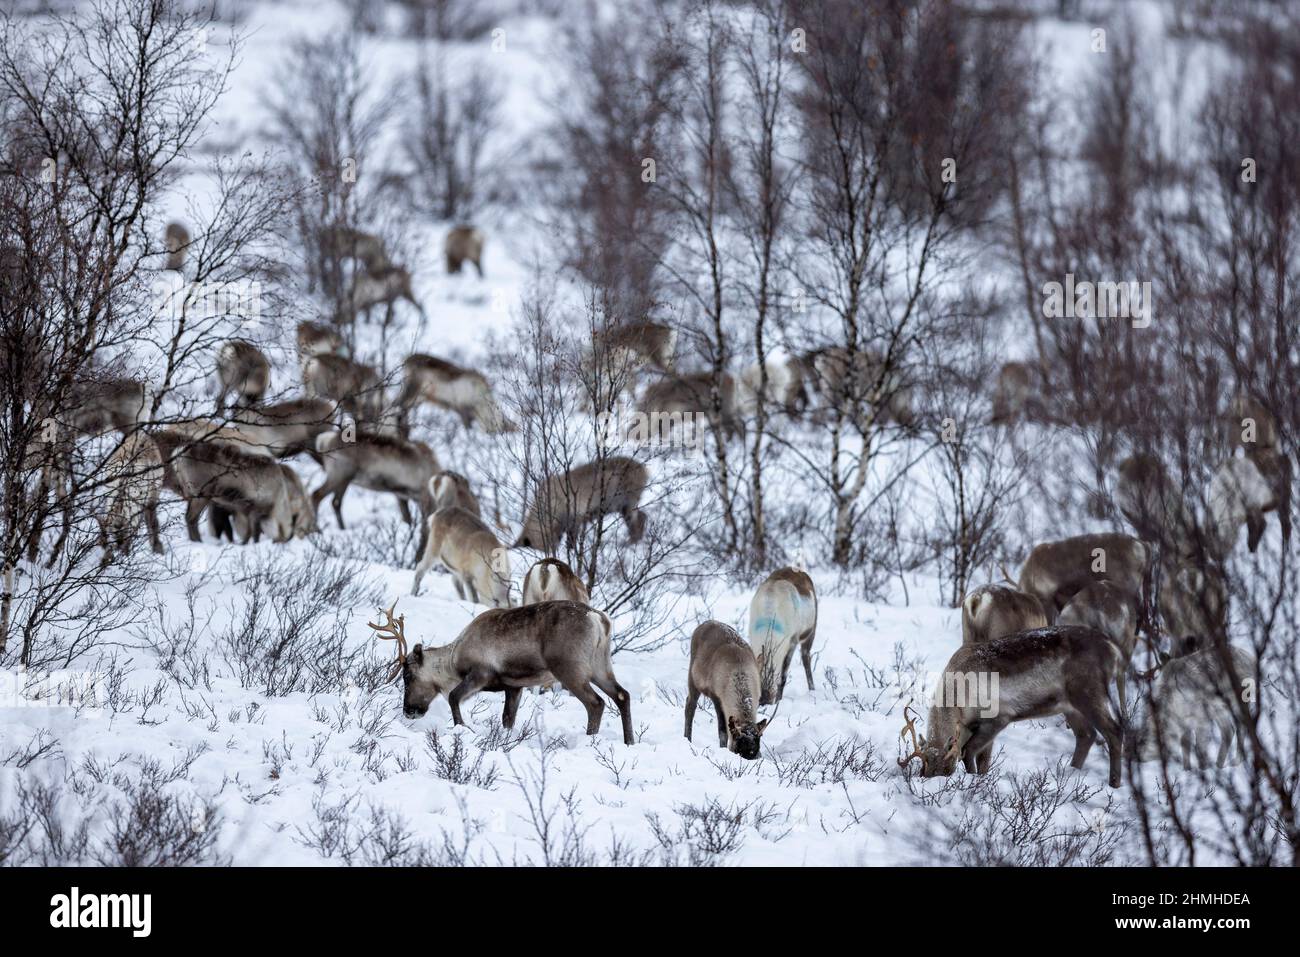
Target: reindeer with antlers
[507, 650]
[1063, 669]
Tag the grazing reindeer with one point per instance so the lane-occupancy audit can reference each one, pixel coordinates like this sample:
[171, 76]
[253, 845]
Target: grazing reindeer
[177, 241]
[97, 405]
[286, 428]
[221, 472]
[636, 344]
[451, 488]
[134, 473]
[1055, 571]
[243, 370]
[464, 244]
[782, 617]
[301, 515]
[850, 382]
[509, 649]
[1062, 669]
[356, 387]
[384, 287]
[468, 549]
[381, 463]
[1194, 697]
[346, 242]
[785, 387]
[553, 580]
[1249, 425]
[449, 386]
[566, 502]
[691, 395]
[1151, 503]
[994, 611]
[317, 339]
[723, 667]
[1242, 491]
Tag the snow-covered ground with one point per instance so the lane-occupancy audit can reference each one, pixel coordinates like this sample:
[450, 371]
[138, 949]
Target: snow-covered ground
[338, 775]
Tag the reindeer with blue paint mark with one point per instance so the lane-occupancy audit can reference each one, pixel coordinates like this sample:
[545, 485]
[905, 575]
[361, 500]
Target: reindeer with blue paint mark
[782, 616]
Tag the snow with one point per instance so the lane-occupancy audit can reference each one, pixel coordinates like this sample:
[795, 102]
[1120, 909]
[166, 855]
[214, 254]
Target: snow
[272, 765]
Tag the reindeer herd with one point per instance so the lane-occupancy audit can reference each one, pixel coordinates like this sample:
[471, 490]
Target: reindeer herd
[1057, 639]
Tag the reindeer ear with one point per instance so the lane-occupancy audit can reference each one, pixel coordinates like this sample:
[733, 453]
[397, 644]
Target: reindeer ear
[731, 723]
[762, 725]
[416, 656]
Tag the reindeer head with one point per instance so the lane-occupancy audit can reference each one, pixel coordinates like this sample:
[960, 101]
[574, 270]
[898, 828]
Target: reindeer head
[743, 739]
[938, 757]
[421, 669]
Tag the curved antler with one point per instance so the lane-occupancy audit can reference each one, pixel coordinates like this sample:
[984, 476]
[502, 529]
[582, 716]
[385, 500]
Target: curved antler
[909, 727]
[393, 629]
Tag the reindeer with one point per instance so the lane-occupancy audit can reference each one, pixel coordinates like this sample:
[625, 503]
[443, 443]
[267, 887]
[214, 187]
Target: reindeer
[100, 404]
[242, 369]
[782, 616]
[723, 667]
[1055, 571]
[566, 502]
[381, 463]
[382, 287]
[356, 387]
[286, 428]
[449, 386]
[464, 244]
[553, 580]
[301, 516]
[317, 339]
[1151, 503]
[177, 240]
[1061, 669]
[851, 381]
[467, 548]
[206, 471]
[134, 481]
[346, 242]
[451, 488]
[1242, 491]
[509, 649]
[1196, 695]
[691, 395]
[994, 611]
[785, 387]
[635, 344]
[1112, 611]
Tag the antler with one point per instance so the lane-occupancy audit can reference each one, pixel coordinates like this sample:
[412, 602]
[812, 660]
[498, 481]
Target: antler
[910, 728]
[393, 629]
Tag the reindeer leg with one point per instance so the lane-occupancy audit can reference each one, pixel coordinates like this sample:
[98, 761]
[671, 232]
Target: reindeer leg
[511, 708]
[1254, 529]
[193, 509]
[978, 752]
[470, 685]
[805, 652]
[622, 700]
[692, 701]
[404, 508]
[151, 523]
[1083, 738]
[1226, 733]
[426, 562]
[723, 736]
[577, 684]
